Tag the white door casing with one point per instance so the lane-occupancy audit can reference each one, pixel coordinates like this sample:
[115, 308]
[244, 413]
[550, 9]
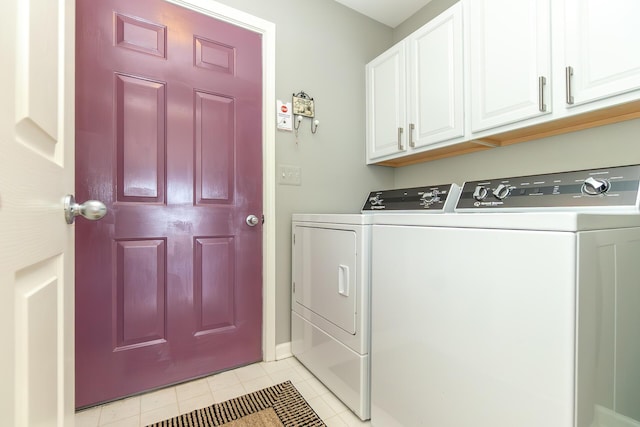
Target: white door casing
[36, 171]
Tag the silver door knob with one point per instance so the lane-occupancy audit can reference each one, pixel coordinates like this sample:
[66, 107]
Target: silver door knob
[252, 220]
[92, 210]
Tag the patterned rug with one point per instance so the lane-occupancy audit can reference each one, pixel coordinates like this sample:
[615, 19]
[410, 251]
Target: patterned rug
[276, 406]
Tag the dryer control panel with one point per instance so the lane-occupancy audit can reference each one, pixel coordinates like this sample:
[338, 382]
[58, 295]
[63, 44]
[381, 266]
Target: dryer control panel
[604, 190]
[433, 198]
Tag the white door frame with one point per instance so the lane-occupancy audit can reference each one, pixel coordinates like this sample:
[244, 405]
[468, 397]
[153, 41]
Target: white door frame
[268, 32]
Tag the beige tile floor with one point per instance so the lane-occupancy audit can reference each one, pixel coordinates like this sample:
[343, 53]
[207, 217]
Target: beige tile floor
[158, 405]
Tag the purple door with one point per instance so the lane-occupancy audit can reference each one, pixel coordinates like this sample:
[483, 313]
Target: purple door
[168, 128]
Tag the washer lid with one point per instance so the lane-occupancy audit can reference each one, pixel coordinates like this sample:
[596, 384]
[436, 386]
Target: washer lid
[535, 221]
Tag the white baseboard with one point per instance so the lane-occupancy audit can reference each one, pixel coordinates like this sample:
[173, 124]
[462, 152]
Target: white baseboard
[283, 350]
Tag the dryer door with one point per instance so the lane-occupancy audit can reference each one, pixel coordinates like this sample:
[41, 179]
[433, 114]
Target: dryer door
[325, 274]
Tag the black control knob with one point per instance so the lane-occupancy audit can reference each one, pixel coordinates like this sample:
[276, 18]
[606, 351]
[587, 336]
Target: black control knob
[501, 192]
[480, 193]
[594, 186]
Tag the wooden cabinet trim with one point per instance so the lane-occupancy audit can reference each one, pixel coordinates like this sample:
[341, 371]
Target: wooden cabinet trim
[614, 114]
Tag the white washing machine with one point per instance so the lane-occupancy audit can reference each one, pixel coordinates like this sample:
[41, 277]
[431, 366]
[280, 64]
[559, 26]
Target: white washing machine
[330, 318]
[521, 309]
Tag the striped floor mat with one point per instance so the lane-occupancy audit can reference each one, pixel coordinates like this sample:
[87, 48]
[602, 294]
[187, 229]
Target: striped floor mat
[276, 406]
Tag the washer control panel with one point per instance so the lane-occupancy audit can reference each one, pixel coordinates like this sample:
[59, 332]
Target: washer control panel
[607, 189]
[434, 198]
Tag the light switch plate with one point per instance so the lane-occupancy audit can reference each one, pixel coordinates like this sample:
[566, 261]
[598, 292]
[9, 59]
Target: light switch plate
[289, 175]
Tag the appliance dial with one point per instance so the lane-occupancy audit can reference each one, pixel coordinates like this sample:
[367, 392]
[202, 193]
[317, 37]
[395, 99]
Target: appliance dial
[376, 200]
[501, 192]
[594, 186]
[480, 193]
[431, 197]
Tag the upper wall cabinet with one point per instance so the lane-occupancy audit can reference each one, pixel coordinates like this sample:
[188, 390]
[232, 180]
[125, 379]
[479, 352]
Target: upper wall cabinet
[403, 119]
[529, 69]
[436, 88]
[386, 103]
[510, 61]
[602, 56]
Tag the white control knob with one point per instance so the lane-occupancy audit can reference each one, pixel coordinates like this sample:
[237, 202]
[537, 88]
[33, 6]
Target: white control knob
[376, 200]
[480, 193]
[431, 197]
[501, 192]
[594, 186]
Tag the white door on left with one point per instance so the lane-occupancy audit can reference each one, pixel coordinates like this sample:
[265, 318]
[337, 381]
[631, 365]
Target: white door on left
[36, 244]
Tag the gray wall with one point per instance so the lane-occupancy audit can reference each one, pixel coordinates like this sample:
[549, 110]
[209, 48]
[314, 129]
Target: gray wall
[321, 48]
[421, 17]
[610, 145]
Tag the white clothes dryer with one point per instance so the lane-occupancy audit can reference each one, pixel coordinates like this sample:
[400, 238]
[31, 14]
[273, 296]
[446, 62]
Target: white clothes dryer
[521, 309]
[330, 299]
[330, 303]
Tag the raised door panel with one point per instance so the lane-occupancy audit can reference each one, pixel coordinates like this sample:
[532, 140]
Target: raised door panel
[215, 148]
[215, 283]
[601, 46]
[139, 35]
[139, 293]
[436, 80]
[140, 121]
[510, 60]
[386, 104]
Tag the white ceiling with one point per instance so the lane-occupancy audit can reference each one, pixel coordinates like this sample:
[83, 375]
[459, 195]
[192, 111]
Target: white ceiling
[389, 12]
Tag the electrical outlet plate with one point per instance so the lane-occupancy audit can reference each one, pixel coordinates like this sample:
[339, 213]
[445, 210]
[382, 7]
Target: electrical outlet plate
[289, 175]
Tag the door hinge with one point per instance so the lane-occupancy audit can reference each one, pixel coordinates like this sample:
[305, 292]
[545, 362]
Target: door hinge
[294, 287]
[294, 239]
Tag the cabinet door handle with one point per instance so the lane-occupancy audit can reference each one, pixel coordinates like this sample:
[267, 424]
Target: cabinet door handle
[568, 71]
[542, 81]
[400, 146]
[412, 143]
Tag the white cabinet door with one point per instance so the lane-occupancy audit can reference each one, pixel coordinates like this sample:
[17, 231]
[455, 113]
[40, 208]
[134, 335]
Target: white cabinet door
[601, 47]
[386, 103]
[415, 90]
[510, 60]
[436, 98]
